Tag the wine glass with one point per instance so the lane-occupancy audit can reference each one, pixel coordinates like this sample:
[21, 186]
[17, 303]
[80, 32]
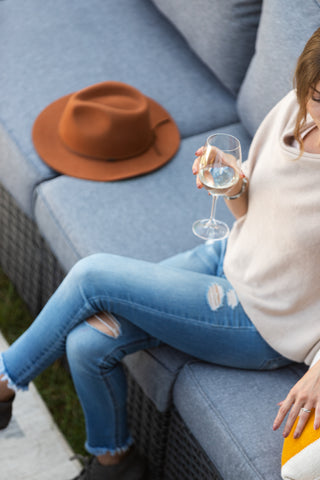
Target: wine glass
[219, 170]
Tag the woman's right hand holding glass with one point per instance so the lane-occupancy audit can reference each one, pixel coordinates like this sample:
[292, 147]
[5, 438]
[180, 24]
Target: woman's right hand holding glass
[217, 166]
[238, 189]
[228, 160]
[195, 166]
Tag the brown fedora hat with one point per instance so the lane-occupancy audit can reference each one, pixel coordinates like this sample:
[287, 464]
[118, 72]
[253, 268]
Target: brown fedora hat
[107, 131]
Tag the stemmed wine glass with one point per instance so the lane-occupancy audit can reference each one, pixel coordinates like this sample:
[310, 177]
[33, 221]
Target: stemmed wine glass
[219, 170]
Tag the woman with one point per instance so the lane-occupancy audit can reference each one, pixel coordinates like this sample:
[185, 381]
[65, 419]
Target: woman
[240, 304]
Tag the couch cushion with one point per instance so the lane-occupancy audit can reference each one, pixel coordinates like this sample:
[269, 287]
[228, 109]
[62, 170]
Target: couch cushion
[230, 413]
[222, 33]
[49, 49]
[283, 31]
[147, 217]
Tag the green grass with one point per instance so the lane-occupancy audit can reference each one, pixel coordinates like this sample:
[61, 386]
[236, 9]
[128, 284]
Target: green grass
[55, 384]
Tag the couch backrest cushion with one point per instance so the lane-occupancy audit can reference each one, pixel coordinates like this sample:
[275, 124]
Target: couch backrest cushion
[221, 32]
[284, 28]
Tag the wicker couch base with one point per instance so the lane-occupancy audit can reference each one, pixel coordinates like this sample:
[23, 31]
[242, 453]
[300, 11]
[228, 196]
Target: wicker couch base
[185, 459]
[149, 428]
[25, 257]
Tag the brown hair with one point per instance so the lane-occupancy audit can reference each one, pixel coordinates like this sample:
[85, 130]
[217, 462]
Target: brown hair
[306, 77]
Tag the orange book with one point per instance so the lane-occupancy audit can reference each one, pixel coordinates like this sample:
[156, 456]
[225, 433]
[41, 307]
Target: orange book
[301, 457]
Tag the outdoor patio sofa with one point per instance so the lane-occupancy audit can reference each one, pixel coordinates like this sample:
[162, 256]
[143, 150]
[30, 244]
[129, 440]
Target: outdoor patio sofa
[215, 65]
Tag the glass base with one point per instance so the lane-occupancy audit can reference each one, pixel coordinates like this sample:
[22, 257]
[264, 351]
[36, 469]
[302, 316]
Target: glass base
[208, 230]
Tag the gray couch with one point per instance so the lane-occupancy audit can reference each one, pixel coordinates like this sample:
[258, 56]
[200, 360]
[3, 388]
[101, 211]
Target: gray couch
[215, 65]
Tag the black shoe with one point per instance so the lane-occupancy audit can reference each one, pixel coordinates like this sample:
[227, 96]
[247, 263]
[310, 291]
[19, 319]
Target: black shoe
[5, 413]
[132, 467]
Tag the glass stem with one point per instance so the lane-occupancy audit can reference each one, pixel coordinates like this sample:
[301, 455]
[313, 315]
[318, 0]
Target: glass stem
[213, 208]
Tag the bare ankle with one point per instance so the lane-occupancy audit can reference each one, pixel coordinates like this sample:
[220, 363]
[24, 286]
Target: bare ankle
[6, 393]
[108, 459]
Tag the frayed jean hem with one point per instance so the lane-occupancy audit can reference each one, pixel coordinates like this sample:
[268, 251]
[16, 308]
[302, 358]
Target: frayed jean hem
[113, 451]
[6, 377]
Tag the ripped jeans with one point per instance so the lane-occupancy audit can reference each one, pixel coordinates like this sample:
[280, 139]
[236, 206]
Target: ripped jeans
[185, 302]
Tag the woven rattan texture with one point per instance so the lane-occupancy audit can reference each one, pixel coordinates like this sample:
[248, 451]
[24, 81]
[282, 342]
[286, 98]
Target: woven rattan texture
[25, 256]
[185, 459]
[20, 251]
[149, 429]
[52, 274]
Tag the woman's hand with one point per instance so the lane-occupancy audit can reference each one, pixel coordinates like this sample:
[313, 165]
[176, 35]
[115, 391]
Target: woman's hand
[195, 166]
[225, 160]
[237, 207]
[304, 395]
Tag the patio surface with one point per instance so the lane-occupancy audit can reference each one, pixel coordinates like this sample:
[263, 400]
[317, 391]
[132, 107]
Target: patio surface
[32, 447]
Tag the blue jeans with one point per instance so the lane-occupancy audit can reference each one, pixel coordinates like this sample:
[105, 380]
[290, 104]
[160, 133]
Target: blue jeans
[185, 302]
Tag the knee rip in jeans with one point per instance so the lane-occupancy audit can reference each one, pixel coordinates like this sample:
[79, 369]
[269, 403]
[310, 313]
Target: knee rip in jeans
[106, 323]
[216, 295]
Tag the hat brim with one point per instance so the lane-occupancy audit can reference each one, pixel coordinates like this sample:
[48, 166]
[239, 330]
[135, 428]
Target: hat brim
[55, 154]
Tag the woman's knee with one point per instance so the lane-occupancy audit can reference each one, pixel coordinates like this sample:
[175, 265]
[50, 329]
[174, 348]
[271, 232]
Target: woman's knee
[84, 275]
[92, 340]
[81, 347]
[86, 266]
[77, 347]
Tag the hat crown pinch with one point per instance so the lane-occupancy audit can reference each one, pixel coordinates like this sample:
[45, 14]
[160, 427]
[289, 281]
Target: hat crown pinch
[107, 123]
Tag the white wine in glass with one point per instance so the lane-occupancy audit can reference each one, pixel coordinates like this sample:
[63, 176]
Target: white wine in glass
[219, 170]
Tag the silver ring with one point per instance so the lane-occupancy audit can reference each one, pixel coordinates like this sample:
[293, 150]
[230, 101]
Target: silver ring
[306, 410]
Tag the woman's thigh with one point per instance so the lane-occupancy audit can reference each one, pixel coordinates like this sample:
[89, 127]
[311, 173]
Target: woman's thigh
[197, 313]
[206, 258]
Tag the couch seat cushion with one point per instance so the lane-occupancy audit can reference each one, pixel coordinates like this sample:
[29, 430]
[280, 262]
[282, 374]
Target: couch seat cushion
[148, 217]
[49, 49]
[284, 29]
[230, 412]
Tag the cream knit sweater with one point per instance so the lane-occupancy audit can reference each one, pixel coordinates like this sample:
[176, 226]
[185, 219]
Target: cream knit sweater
[273, 253]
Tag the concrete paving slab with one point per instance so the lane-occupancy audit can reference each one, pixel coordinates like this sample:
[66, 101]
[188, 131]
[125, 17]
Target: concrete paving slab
[32, 447]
